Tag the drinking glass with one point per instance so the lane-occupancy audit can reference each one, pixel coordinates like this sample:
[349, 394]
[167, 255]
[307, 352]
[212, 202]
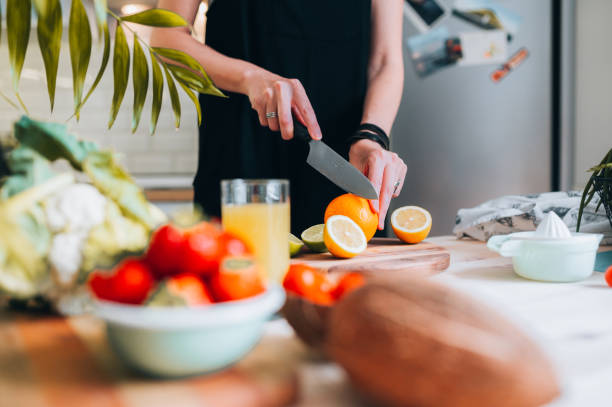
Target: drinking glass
[258, 211]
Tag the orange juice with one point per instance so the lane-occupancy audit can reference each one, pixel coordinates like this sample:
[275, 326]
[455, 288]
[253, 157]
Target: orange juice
[265, 228]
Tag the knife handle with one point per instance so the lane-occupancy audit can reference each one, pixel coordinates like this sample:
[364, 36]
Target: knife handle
[300, 131]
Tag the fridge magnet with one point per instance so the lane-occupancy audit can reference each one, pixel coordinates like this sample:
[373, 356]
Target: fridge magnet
[487, 15]
[425, 14]
[433, 51]
[514, 61]
[483, 47]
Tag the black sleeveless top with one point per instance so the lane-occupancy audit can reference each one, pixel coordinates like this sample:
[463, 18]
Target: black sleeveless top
[323, 43]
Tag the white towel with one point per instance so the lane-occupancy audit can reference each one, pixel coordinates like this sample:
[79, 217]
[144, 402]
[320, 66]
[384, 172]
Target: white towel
[517, 213]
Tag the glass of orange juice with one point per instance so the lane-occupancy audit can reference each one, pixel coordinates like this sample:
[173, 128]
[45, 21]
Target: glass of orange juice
[258, 212]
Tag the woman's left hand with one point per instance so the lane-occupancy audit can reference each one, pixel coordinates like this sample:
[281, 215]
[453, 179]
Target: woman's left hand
[385, 169]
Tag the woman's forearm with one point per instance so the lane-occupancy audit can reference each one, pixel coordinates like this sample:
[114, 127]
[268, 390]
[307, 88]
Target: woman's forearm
[383, 96]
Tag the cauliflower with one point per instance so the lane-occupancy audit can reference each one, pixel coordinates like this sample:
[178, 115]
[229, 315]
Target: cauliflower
[71, 213]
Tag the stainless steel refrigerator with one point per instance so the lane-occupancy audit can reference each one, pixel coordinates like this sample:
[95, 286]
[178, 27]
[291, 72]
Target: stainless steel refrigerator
[467, 139]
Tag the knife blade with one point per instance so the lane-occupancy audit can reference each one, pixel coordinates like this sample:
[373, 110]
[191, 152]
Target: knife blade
[333, 166]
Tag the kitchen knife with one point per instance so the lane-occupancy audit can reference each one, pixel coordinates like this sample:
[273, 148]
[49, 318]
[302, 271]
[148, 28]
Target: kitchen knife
[331, 164]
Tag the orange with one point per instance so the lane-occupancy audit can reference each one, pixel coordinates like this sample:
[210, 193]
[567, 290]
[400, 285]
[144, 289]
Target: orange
[356, 208]
[343, 237]
[411, 224]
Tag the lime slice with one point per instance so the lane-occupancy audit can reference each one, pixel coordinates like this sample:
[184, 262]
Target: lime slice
[295, 245]
[313, 237]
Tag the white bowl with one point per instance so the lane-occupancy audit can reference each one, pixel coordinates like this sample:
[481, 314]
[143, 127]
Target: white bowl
[183, 341]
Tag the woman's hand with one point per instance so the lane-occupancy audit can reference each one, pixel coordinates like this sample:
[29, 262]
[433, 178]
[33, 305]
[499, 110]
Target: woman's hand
[385, 169]
[270, 93]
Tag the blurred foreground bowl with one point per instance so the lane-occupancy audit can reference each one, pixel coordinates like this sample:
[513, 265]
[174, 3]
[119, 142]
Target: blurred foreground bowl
[176, 342]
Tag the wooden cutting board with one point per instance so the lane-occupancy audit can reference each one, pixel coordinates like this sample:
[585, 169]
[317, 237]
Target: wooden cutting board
[383, 257]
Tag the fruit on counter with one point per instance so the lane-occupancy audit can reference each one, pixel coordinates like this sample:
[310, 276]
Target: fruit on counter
[295, 245]
[310, 283]
[411, 224]
[356, 208]
[236, 279]
[348, 283]
[184, 289]
[608, 276]
[343, 237]
[403, 343]
[313, 238]
[130, 282]
[166, 242]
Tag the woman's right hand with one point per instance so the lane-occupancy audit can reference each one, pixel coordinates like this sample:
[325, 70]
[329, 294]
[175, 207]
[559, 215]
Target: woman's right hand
[272, 93]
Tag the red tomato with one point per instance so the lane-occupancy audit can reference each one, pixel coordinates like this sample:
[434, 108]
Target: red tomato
[608, 276]
[163, 255]
[206, 247]
[189, 287]
[348, 283]
[130, 282]
[310, 283]
[236, 279]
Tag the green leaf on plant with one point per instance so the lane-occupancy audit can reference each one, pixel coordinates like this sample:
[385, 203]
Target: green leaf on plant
[158, 91]
[49, 39]
[100, 7]
[52, 141]
[194, 99]
[105, 58]
[79, 39]
[121, 72]
[18, 15]
[140, 80]
[194, 81]
[156, 18]
[112, 180]
[174, 98]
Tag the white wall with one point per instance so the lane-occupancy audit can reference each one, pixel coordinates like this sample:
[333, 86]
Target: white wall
[593, 133]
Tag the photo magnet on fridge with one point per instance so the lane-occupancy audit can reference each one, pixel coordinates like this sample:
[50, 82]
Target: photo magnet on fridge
[486, 14]
[433, 51]
[425, 14]
[483, 47]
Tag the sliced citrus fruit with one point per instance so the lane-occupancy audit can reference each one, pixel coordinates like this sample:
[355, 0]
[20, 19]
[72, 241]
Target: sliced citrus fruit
[411, 224]
[356, 208]
[313, 237]
[295, 245]
[343, 237]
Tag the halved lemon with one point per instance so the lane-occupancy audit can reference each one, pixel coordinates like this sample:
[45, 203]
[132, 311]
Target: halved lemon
[411, 224]
[343, 237]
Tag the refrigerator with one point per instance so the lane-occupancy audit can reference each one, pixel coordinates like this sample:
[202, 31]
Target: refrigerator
[467, 139]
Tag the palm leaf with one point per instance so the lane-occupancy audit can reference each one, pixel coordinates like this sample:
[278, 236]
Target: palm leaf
[158, 91]
[18, 15]
[140, 81]
[194, 99]
[156, 18]
[79, 40]
[174, 98]
[121, 72]
[49, 39]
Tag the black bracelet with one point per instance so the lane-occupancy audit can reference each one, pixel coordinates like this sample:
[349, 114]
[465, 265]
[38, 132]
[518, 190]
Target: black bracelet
[369, 131]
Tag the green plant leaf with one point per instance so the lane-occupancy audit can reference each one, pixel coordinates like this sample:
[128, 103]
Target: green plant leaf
[140, 81]
[156, 18]
[174, 98]
[50, 39]
[194, 99]
[194, 81]
[79, 39]
[18, 15]
[114, 182]
[158, 91]
[103, 65]
[121, 72]
[187, 60]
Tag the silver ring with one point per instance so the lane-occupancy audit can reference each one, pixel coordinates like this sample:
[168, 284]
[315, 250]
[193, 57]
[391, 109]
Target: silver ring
[271, 115]
[395, 186]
